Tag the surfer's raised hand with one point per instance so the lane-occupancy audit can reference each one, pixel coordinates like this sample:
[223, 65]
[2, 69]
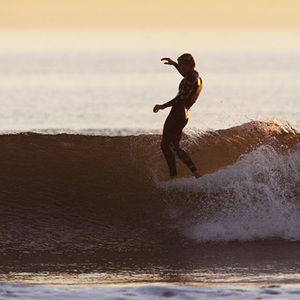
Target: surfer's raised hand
[168, 61]
[157, 107]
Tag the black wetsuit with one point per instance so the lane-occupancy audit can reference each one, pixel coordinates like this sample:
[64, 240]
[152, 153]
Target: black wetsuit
[189, 90]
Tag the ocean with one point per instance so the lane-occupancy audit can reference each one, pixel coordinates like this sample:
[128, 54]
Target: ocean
[86, 207]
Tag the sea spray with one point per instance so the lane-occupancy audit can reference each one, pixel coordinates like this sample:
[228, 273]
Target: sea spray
[257, 198]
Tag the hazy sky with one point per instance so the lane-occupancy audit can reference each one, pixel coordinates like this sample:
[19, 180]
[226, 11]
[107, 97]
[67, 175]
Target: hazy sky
[116, 13]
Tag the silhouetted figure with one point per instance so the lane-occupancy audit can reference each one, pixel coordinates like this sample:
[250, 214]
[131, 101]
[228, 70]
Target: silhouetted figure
[189, 90]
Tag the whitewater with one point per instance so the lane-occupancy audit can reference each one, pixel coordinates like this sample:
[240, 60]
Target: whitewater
[86, 206]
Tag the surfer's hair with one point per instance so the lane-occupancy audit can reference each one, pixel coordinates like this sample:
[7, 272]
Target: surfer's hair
[187, 59]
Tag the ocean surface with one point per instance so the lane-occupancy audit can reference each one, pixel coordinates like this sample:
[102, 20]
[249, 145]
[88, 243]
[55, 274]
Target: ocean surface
[86, 207]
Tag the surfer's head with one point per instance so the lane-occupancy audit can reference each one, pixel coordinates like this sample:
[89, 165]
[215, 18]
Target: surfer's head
[187, 59]
[186, 63]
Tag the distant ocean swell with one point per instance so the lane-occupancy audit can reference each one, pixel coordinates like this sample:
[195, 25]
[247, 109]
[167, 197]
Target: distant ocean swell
[250, 189]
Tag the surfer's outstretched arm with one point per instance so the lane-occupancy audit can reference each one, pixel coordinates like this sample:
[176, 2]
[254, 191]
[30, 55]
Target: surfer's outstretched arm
[169, 61]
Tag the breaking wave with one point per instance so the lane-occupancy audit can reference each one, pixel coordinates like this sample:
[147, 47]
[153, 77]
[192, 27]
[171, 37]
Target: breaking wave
[249, 189]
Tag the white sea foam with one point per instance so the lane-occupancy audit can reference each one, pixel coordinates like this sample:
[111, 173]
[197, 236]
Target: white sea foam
[18, 291]
[257, 198]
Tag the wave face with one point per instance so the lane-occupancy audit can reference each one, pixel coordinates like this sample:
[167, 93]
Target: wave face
[69, 188]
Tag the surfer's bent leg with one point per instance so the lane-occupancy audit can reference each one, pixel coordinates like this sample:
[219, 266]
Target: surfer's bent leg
[185, 158]
[182, 155]
[170, 144]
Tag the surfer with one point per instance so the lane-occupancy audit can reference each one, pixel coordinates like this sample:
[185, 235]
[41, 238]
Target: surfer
[189, 90]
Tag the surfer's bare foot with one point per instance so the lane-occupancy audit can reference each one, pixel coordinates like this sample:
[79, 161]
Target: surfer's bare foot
[196, 174]
[173, 177]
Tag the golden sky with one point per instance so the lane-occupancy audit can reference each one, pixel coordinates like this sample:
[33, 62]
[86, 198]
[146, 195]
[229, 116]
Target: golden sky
[131, 13]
